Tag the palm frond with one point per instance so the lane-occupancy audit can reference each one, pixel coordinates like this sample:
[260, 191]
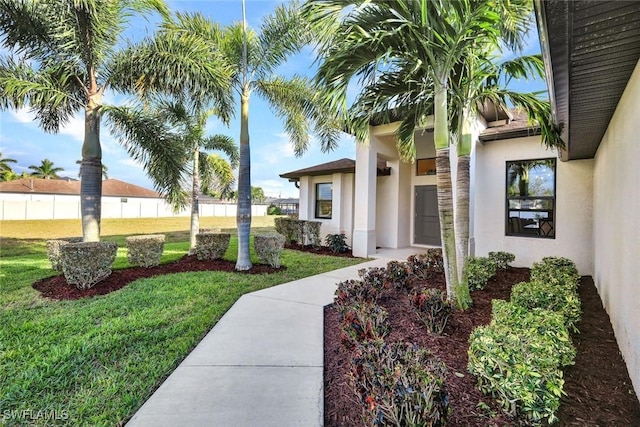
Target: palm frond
[223, 143]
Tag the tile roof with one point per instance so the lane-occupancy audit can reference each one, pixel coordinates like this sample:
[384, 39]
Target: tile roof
[517, 127]
[110, 187]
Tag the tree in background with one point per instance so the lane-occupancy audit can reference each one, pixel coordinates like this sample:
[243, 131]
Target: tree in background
[257, 195]
[5, 170]
[62, 57]
[255, 58]
[45, 170]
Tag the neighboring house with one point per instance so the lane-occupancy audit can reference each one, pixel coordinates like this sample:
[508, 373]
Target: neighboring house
[34, 198]
[288, 206]
[582, 203]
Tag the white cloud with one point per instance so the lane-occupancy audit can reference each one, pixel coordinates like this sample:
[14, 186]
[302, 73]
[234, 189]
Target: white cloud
[276, 188]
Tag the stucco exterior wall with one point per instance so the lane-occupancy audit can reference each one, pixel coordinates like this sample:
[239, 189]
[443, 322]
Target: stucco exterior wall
[574, 184]
[616, 229]
[342, 203]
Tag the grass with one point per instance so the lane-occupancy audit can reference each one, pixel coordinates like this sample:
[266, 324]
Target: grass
[94, 361]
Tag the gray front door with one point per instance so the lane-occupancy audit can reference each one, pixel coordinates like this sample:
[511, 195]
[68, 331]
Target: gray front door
[427, 223]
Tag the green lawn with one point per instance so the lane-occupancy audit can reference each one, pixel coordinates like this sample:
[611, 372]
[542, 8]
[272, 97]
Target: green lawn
[95, 361]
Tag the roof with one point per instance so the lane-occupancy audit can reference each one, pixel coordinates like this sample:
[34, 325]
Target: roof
[517, 127]
[337, 166]
[590, 49]
[110, 187]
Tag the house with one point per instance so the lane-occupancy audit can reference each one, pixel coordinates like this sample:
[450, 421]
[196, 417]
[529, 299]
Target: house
[581, 202]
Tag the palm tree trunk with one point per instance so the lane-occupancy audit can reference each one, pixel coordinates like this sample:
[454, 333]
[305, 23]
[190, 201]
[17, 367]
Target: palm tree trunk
[195, 202]
[462, 208]
[91, 172]
[244, 186]
[445, 197]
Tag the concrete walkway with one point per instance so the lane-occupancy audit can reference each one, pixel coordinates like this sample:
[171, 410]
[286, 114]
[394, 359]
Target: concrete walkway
[262, 363]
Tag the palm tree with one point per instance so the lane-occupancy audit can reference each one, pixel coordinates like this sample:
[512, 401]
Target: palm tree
[45, 170]
[257, 195]
[405, 54]
[183, 126]
[5, 169]
[63, 57]
[255, 58]
[105, 170]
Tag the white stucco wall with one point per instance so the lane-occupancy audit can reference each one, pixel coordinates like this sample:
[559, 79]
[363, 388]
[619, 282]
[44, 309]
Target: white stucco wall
[574, 183]
[342, 203]
[616, 230]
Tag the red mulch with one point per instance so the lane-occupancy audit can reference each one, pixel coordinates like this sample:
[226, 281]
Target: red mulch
[56, 287]
[599, 392]
[321, 250]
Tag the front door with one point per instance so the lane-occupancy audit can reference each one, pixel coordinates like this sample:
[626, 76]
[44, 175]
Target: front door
[427, 222]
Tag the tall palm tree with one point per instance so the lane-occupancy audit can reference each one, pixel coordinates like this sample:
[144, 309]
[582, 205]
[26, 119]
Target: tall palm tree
[5, 169]
[105, 170]
[256, 57]
[45, 170]
[184, 126]
[405, 53]
[62, 58]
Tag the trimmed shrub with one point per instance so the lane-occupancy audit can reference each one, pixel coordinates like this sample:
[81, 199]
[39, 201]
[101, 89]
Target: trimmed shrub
[54, 253]
[502, 259]
[479, 271]
[210, 230]
[299, 231]
[145, 251]
[397, 273]
[556, 270]
[87, 263]
[274, 210]
[210, 246]
[337, 243]
[268, 247]
[400, 385]
[518, 359]
[561, 299]
[433, 308]
[362, 322]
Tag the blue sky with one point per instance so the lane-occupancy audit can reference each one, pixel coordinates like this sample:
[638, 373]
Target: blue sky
[271, 152]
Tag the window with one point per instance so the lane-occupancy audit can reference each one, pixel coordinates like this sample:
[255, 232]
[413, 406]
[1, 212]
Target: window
[531, 198]
[324, 194]
[426, 167]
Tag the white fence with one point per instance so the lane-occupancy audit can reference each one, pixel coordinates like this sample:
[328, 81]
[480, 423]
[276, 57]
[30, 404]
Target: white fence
[132, 208]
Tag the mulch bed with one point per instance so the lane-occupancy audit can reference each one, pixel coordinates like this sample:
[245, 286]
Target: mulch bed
[321, 250]
[599, 391]
[57, 288]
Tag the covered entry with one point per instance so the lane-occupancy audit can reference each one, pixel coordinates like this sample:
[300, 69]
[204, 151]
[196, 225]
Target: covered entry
[427, 223]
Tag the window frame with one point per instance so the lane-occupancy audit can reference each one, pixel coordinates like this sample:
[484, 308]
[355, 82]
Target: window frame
[318, 201]
[551, 212]
[426, 174]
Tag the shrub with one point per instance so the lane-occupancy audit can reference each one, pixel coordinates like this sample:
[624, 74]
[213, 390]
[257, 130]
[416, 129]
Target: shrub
[423, 265]
[400, 385]
[337, 243]
[87, 263]
[210, 230]
[556, 270]
[355, 291]
[561, 299]
[502, 259]
[268, 247]
[311, 233]
[479, 271]
[374, 276]
[362, 322]
[145, 251]
[274, 210]
[299, 231]
[210, 246]
[54, 253]
[518, 359]
[433, 308]
[397, 273]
